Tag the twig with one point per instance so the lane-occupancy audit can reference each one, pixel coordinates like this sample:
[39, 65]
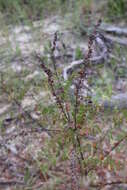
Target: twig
[107, 153]
[118, 40]
[115, 146]
[55, 70]
[109, 183]
[52, 55]
[5, 183]
[120, 31]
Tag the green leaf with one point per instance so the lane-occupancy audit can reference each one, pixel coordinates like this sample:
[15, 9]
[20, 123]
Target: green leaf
[27, 175]
[78, 53]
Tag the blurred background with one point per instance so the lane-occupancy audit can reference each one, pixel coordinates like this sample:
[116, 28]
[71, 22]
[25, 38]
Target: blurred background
[19, 11]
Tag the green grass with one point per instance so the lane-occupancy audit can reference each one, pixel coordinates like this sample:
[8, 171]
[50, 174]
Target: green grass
[116, 7]
[17, 11]
[20, 10]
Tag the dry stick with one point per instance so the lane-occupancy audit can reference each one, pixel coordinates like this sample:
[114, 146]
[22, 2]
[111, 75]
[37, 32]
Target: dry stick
[10, 183]
[23, 132]
[109, 183]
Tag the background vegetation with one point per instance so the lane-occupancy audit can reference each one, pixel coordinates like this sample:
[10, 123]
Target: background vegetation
[20, 10]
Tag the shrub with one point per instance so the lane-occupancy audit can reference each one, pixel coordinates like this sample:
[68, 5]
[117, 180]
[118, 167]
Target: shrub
[77, 127]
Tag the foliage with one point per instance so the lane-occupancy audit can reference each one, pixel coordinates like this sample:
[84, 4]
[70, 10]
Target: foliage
[79, 12]
[116, 7]
[115, 10]
[24, 11]
[21, 10]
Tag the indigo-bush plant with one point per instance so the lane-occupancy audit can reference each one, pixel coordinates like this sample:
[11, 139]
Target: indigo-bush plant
[81, 138]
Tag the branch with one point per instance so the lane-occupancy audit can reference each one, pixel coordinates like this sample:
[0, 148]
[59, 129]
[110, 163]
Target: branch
[108, 28]
[116, 145]
[109, 183]
[118, 101]
[77, 64]
[103, 44]
[119, 31]
[116, 39]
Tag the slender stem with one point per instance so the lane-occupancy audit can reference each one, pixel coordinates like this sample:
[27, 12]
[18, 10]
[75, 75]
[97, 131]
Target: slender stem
[116, 145]
[56, 73]
[79, 144]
